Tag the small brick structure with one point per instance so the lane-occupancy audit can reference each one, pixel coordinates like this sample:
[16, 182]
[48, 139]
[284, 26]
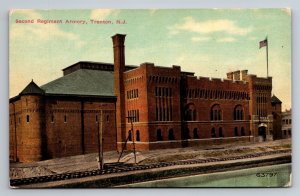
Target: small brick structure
[171, 108]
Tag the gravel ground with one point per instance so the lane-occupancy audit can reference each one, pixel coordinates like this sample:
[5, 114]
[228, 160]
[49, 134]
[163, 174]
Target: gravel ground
[89, 161]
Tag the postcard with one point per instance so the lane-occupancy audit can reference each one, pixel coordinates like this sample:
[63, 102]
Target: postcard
[150, 98]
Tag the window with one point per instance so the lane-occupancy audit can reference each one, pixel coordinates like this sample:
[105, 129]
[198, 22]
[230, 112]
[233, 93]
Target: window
[195, 133]
[52, 118]
[238, 113]
[213, 132]
[236, 133]
[242, 131]
[27, 118]
[137, 135]
[65, 118]
[159, 135]
[190, 112]
[221, 132]
[107, 118]
[171, 135]
[129, 136]
[215, 113]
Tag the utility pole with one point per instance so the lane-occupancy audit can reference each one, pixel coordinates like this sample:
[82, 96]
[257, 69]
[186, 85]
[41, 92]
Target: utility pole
[133, 143]
[100, 142]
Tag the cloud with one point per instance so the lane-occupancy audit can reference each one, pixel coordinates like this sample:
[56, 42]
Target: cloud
[200, 39]
[210, 26]
[226, 39]
[101, 13]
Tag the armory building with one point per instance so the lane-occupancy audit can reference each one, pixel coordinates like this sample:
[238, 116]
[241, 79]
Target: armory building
[170, 108]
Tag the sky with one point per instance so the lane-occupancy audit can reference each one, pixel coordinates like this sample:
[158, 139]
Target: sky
[209, 42]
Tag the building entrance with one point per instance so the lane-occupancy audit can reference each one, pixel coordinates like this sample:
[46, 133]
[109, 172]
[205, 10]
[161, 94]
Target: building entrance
[262, 132]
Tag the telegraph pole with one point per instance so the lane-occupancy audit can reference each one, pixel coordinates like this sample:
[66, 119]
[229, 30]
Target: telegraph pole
[100, 142]
[133, 143]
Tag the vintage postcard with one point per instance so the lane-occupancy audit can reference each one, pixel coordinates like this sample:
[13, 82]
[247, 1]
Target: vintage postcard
[150, 98]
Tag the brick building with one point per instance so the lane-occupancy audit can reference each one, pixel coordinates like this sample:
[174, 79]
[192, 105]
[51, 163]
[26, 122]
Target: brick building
[286, 124]
[170, 108]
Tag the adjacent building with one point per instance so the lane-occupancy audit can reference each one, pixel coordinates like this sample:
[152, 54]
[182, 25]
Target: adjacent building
[286, 124]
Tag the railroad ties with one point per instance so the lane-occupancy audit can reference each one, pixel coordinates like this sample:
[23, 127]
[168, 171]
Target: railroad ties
[110, 168]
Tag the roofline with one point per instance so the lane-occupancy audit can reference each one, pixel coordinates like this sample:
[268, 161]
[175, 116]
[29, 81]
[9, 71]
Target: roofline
[78, 95]
[15, 98]
[94, 62]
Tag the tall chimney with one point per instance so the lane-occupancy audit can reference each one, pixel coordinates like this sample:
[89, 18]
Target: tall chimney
[119, 68]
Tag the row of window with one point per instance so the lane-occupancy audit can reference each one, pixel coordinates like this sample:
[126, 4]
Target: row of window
[162, 79]
[263, 87]
[287, 132]
[287, 121]
[163, 91]
[163, 104]
[190, 113]
[137, 135]
[216, 94]
[131, 94]
[133, 115]
[261, 99]
[159, 136]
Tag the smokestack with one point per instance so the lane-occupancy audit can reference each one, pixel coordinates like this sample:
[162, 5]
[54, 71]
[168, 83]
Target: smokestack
[119, 68]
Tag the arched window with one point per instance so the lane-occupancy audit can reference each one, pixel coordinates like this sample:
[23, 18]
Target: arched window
[137, 137]
[190, 112]
[195, 133]
[216, 113]
[159, 135]
[129, 135]
[238, 113]
[171, 135]
[213, 132]
[242, 131]
[221, 132]
[236, 133]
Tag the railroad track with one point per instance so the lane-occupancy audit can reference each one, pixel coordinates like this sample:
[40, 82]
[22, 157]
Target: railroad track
[125, 167]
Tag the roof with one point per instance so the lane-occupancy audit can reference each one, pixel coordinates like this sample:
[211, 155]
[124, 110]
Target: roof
[32, 89]
[83, 82]
[274, 99]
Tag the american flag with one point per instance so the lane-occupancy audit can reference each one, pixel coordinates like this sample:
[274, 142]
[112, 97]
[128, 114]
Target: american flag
[263, 43]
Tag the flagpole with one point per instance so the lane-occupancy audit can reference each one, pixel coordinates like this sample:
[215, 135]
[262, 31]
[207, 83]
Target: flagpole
[267, 57]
